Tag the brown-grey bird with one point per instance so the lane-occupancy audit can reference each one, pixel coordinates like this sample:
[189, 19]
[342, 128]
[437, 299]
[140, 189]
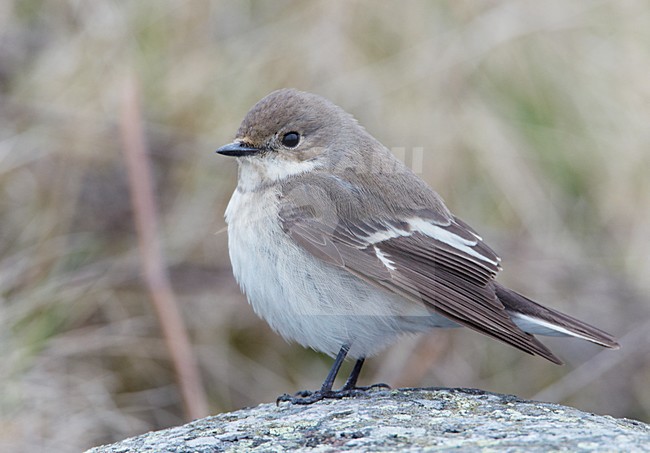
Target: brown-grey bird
[342, 248]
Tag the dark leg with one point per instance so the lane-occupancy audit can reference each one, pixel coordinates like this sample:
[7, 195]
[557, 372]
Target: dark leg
[331, 376]
[349, 388]
[309, 397]
[354, 375]
[351, 384]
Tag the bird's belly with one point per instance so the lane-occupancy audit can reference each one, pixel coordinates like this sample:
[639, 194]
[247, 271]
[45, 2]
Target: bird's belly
[305, 299]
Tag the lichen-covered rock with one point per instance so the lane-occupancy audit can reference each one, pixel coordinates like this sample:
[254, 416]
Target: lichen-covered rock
[403, 419]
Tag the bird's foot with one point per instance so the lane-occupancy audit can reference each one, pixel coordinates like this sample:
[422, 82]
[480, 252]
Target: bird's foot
[380, 385]
[311, 397]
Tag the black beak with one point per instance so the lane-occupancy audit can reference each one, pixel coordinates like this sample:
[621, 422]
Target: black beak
[238, 149]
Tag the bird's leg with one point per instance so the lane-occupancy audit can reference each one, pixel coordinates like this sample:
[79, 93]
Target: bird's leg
[351, 383]
[336, 366]
[309, 397]
[349, 388]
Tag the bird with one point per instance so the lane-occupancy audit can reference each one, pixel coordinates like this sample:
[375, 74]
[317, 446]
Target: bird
[342, 248]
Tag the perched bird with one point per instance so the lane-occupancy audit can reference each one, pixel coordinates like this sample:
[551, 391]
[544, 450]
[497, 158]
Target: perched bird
[341, 247]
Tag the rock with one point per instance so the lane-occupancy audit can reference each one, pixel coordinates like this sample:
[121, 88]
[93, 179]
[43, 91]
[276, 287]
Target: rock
[402, 419]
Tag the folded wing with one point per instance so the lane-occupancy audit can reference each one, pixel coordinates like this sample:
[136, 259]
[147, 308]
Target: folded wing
[426, 257]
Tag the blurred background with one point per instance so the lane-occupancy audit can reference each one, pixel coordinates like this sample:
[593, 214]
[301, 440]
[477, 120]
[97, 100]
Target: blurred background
[530, 118]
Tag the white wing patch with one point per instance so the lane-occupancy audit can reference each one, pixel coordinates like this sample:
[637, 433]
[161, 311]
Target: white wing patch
[442, 235]
[384, 235]
[384, 258]
[432, 230]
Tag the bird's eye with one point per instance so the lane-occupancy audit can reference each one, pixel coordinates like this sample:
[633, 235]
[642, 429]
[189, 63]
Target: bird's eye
[291, 139]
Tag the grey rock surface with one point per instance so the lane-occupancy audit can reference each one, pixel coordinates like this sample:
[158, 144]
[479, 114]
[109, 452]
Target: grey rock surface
[399, 420]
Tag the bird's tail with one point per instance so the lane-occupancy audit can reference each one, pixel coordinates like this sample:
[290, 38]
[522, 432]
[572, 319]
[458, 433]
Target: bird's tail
[536, 319]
